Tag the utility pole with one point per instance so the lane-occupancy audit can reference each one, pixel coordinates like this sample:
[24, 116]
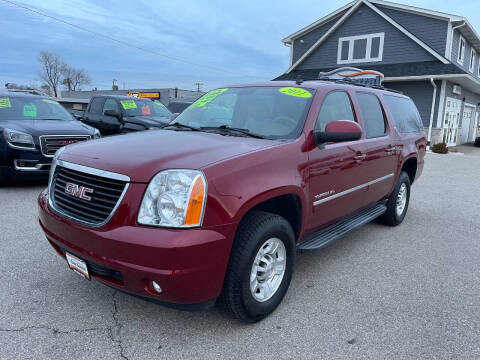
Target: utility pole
[198, 86]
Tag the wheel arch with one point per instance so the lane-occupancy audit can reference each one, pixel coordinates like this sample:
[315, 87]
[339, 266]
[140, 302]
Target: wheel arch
[410, 167]
[286, 202]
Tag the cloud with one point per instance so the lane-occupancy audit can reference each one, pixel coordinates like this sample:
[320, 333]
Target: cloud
[242, 38]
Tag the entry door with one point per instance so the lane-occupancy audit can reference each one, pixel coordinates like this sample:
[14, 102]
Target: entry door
[451, 121]
[336, 171]
[466, 121]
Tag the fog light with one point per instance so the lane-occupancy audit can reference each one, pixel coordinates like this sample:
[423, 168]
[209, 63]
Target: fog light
[156, 287]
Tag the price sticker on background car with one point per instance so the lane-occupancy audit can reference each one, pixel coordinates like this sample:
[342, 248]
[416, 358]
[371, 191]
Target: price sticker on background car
[297, 92]
[128, 104]
[29, 110]
[50, 101]
[5, 103]
[146, 110]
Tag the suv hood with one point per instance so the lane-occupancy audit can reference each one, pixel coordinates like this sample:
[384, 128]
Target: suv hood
[143, 154]
[48, 127]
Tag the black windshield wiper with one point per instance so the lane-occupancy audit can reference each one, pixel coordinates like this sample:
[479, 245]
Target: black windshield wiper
[180, 126]
[226, 128]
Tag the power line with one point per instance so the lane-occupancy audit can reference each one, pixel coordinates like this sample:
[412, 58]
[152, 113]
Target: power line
[114, 39]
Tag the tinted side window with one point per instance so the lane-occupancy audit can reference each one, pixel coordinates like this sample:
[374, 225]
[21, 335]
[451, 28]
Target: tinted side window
[372, 115]
[336, 106]
[111, 104]
[404, 113]
[96, 105]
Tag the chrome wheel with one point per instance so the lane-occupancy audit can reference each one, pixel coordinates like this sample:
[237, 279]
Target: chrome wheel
[401, 199]
[268, 269]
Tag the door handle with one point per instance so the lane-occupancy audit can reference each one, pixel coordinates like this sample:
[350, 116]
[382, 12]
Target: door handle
[391, 150]
[360, 157]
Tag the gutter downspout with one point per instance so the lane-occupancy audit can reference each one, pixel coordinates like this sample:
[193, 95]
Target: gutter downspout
[453, 31]
[434, 99]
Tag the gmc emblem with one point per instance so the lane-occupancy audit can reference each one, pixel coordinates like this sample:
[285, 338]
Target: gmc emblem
[66, 142]
[78, 191]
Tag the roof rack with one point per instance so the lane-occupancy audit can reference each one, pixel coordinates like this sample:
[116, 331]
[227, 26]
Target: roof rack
[27, 91]
[354, 76]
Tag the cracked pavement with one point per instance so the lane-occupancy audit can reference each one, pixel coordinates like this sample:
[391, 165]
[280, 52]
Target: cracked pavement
[406, 293]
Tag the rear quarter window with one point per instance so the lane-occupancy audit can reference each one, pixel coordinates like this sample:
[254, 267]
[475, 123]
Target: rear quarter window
[404, 113]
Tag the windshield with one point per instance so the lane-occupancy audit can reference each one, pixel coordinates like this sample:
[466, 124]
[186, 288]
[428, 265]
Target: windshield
[32, 108]
[272, 112]
[149, 108]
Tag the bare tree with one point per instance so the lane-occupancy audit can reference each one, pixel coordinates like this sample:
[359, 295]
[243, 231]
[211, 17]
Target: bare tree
[73, 78]
[51, 70]
[67, 72]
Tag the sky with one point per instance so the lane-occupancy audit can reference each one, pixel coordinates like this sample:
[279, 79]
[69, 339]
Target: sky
[219, 42]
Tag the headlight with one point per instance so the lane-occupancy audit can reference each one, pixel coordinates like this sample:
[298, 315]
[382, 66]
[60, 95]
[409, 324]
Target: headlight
[96, 134]
[174, 198]
[18, 139]
[52, 167]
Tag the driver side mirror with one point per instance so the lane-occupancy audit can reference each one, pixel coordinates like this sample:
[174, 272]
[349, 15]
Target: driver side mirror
[338, 131]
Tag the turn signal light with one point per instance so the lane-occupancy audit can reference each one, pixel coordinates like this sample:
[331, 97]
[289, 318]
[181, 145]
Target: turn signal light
[193, 215]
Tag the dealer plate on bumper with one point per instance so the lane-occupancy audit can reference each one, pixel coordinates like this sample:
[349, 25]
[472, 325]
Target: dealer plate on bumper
[77, 265]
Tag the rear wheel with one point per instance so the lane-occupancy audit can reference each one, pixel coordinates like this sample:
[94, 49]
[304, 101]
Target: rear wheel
[397, 204]
[260, 267]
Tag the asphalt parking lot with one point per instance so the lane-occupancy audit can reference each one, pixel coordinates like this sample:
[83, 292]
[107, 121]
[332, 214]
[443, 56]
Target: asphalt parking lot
[378, 293]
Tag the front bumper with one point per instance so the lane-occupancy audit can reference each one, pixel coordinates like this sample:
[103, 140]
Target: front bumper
[188, 264]
[21, 163]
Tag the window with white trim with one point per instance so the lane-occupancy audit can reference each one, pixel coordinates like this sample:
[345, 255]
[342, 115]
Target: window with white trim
[360, 48]
[461, 50]
[471, 65]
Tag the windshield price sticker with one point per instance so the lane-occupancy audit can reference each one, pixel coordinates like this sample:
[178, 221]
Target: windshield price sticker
[207, 98]
[29, 110]
[50, 101]
[145, 110]
[5, 103]
[128, 104]
[292, 91]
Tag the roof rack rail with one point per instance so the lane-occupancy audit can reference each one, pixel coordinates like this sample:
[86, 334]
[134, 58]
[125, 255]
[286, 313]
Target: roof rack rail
[354, 76]
[27, 91]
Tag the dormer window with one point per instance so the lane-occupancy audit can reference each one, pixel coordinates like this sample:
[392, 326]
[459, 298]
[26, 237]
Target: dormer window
[360, 48]
[471, 65]
[461, 50]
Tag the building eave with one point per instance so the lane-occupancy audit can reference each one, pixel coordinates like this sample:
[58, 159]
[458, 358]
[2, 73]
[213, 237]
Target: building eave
[465, 80]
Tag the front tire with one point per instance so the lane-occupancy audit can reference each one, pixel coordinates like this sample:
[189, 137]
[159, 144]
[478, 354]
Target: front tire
[398, 201]
[260, 267]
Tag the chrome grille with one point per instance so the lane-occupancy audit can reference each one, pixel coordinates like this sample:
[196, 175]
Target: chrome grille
[103, 196]
[49, 144]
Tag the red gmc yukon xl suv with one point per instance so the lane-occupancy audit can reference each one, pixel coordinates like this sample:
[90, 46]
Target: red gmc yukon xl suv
[216, 204]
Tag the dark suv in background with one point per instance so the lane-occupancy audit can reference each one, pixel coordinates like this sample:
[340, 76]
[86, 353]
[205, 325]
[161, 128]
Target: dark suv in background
[32, 129]
[122, 114]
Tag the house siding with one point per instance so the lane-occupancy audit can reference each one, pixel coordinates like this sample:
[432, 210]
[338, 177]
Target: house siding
[431, 31]
[421, 93]
[398, 48]
[466, 61]
[306, 41]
